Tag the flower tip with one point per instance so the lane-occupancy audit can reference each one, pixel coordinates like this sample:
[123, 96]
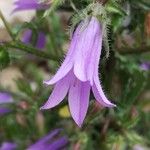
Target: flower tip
[79, 125]
[45, 107]
[112, 105]
[45, 82]
[41, 108]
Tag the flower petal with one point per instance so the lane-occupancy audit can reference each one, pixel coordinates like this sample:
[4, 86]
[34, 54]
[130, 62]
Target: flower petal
[41, 41]
[4, 110]
[43, 142]
[80, 58]
[88, 43]
[94, 55]
[59, 92]
[26, 38]
[63, 70]
[5, 98]
[79, 100]
[58, 144]
[29, 4]
[67, 65]
[8, 146]
[99, 94]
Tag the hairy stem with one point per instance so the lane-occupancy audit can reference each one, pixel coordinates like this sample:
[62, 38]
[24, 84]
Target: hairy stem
[29, 49]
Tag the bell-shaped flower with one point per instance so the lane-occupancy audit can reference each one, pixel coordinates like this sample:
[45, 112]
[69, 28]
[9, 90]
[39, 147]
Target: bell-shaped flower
[79, 73]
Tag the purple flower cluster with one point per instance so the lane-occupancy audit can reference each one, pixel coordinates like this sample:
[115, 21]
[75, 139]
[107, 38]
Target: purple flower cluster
[78, 73]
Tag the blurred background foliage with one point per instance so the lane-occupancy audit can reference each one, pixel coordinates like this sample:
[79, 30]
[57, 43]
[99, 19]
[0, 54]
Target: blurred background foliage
[24, 67]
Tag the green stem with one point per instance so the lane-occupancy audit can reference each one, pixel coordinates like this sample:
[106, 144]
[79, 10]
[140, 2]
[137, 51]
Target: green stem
[139, 50]
[21, 46]
[7, 26]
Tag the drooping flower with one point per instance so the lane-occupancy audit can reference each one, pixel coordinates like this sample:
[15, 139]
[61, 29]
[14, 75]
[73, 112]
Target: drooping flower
[8, 146]
[52, 141]
[145, 66]
[40, 42]
[30, 4]
[78, 73]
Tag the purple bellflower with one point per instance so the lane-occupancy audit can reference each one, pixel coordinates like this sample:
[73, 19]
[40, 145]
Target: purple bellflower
[145, 66]
[52, 141]
[8, 146]
[78, 73]
[30, 4]
[41, 39]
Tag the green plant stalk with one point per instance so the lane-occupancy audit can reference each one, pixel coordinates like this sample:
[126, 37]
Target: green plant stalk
[21, 46]
[7, 26]
[128, 50]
